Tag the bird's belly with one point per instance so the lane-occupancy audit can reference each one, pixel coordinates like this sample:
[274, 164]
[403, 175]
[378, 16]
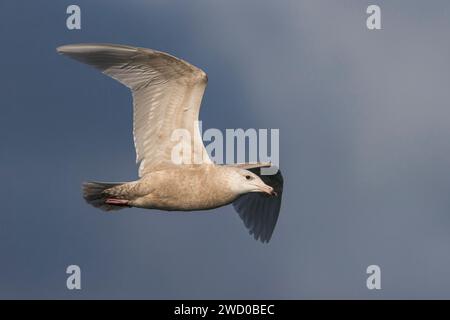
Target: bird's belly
[175, 201]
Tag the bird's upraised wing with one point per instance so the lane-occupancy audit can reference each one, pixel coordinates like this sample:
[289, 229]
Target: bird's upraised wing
[167, 93]
[258, 210]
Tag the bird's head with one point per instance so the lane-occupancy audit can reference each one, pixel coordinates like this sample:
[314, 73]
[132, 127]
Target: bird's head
[242, 181]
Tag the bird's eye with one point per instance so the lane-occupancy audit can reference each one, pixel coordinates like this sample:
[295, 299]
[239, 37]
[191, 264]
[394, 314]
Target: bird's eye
[248, 177]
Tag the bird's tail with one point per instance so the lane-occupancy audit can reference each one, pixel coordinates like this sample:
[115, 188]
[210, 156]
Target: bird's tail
[94, 194]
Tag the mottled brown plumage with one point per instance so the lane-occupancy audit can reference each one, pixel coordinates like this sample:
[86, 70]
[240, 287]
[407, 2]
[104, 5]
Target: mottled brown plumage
[181, 188]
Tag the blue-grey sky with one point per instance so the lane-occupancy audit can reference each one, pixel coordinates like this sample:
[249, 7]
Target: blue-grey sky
[364, 121]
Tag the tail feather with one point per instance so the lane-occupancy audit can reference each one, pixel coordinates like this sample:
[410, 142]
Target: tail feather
[94, 194]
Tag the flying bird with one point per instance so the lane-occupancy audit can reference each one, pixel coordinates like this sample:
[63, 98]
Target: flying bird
[167, 94]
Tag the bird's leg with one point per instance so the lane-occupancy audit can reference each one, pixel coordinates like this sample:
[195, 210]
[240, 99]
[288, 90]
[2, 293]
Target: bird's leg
[117, 202]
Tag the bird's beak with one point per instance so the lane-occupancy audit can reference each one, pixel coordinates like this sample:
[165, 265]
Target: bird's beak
[267, 189]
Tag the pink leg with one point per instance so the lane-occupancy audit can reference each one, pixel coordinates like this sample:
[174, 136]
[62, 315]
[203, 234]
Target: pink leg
[116, 202]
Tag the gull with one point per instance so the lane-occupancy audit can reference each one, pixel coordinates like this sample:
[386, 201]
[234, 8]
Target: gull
[167, 94]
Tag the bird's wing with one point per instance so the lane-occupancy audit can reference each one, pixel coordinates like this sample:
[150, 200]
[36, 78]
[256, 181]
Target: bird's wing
[250, 165]
[258, 210]
[167, 94]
